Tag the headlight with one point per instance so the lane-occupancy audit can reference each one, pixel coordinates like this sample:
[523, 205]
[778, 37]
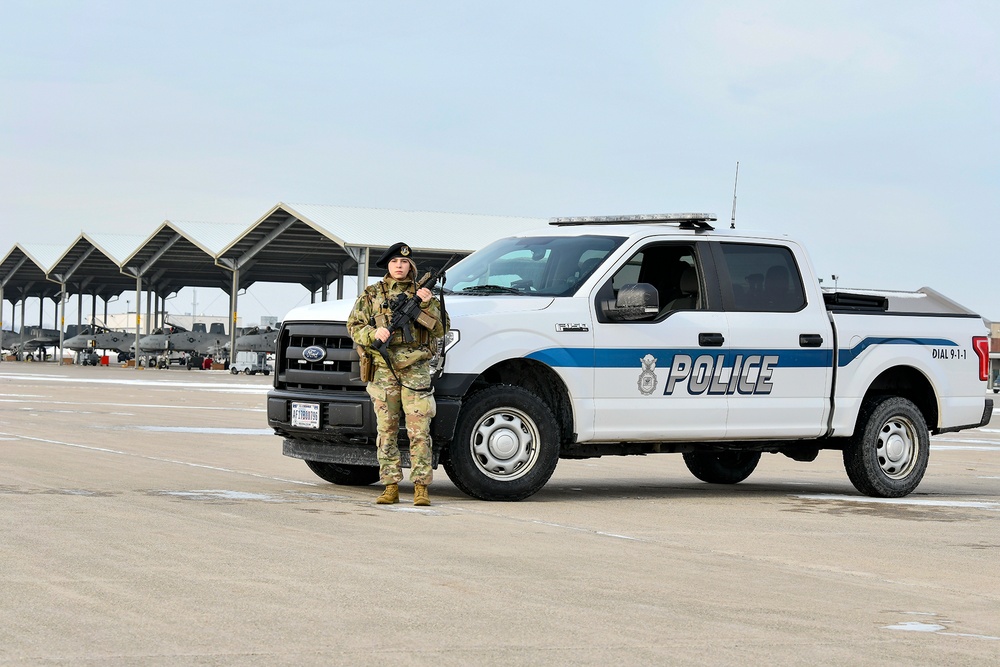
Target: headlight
[443, 345]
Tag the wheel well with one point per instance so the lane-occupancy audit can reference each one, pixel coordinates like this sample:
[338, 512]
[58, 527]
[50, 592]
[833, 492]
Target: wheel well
[907, 382]
[540, 380]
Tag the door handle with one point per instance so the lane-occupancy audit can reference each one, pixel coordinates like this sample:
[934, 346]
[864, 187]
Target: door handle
[810, 340]
[711, 339]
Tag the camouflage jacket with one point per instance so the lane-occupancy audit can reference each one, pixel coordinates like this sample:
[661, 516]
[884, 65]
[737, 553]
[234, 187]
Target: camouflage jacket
[374, 302]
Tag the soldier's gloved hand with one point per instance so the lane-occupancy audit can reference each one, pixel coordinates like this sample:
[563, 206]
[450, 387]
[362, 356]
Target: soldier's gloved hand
[382, 334]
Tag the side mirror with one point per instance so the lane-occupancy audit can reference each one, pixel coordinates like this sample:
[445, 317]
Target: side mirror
[635, 301]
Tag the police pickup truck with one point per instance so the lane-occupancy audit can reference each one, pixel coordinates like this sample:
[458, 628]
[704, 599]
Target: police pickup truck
[645, 334]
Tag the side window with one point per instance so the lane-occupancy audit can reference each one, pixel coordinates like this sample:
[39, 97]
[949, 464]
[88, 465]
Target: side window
[671, 268]
[763, 278]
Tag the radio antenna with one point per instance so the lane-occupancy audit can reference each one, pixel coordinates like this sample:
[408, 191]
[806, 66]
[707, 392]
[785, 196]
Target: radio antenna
[732, 222]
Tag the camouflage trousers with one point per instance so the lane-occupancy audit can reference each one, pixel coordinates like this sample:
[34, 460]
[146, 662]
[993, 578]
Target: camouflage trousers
[388, 399]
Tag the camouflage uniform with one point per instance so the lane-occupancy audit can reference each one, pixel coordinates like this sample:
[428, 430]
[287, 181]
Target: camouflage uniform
[411, 362]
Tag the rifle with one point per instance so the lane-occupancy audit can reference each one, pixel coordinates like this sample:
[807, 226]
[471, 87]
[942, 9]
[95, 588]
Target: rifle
[406, 309]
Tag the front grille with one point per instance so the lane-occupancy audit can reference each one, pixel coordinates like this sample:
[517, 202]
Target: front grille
[339, 370]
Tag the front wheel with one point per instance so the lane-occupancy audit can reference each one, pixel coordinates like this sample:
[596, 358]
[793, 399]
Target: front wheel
[343, 474]
[887, 455]
[722, 467]
[506, 445]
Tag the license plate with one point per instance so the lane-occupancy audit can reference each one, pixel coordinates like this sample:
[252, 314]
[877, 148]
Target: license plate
[305, 415]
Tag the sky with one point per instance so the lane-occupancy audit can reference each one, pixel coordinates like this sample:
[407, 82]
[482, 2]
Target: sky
[867, 130]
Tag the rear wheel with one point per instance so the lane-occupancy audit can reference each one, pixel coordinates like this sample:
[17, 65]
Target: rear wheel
[887, 456]
[506, 445]
[343, 474]
[722, 467]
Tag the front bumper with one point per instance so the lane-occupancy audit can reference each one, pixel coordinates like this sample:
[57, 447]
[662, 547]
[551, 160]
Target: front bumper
[347, 430]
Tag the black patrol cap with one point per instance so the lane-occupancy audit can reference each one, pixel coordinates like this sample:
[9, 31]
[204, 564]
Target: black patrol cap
[396, 250]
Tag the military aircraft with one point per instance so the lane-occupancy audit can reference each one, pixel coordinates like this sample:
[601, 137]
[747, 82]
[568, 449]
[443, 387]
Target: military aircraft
[8, 338]
[174, 338]
[255, 339]
[37, 339]
[102, 338]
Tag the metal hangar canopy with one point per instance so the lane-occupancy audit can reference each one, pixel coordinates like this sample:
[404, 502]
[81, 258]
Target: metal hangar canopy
[314, 244]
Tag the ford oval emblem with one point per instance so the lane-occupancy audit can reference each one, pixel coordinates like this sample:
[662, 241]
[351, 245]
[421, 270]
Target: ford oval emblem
[314, 353]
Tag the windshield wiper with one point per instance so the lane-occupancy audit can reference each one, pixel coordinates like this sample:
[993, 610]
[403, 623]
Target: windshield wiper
[491, 289]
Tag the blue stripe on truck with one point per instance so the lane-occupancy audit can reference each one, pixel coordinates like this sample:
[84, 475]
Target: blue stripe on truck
[581, 357]
[847, 356]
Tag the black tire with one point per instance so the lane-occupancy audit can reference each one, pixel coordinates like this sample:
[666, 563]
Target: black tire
[232, 371]
[506, 445]
[887, 456]
[343, 474]
[722, 467]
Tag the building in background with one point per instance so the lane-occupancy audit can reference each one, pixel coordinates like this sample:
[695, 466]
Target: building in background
[126, 321]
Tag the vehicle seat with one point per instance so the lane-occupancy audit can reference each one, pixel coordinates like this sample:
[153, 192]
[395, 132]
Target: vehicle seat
[776, 288]
[587, 265]
[688, 287]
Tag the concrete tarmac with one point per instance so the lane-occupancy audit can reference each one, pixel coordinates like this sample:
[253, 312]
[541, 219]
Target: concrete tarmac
[149, 518]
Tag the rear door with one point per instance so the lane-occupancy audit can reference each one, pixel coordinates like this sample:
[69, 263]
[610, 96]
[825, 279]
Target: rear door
[780, 345]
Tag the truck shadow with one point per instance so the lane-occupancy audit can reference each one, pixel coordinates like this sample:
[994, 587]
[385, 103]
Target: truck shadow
[559, 490]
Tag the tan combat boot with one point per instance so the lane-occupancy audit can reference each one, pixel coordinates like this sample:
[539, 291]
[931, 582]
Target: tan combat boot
[389, 496]
[420, 497]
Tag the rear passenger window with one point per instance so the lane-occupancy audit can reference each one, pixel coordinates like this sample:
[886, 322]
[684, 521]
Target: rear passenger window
[763, 278]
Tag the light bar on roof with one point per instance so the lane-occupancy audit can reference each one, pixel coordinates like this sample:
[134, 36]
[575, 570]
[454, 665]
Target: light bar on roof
[699, 220]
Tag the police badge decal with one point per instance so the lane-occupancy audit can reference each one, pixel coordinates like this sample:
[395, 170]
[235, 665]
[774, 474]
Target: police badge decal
[647, 378]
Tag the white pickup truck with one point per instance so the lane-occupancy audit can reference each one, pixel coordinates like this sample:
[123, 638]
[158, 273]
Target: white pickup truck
[646, 334]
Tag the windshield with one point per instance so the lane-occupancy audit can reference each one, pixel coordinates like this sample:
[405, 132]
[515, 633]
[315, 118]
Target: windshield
[537, 265]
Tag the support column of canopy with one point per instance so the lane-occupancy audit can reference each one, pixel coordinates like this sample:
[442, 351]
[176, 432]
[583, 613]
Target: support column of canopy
[331, 275]
[340, 280]
[3, 282]
[20, 349]
[64, 278]
[62, 319]
[233, 297]
[138, 318]
[363, 257]
[149, 307]
[243, 263]
[139, 272]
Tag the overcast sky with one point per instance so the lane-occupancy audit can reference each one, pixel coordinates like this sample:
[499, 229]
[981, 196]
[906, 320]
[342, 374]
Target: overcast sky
[868, 130]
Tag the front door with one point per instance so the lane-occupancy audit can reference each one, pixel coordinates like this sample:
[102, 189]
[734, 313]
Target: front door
[661, 378]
